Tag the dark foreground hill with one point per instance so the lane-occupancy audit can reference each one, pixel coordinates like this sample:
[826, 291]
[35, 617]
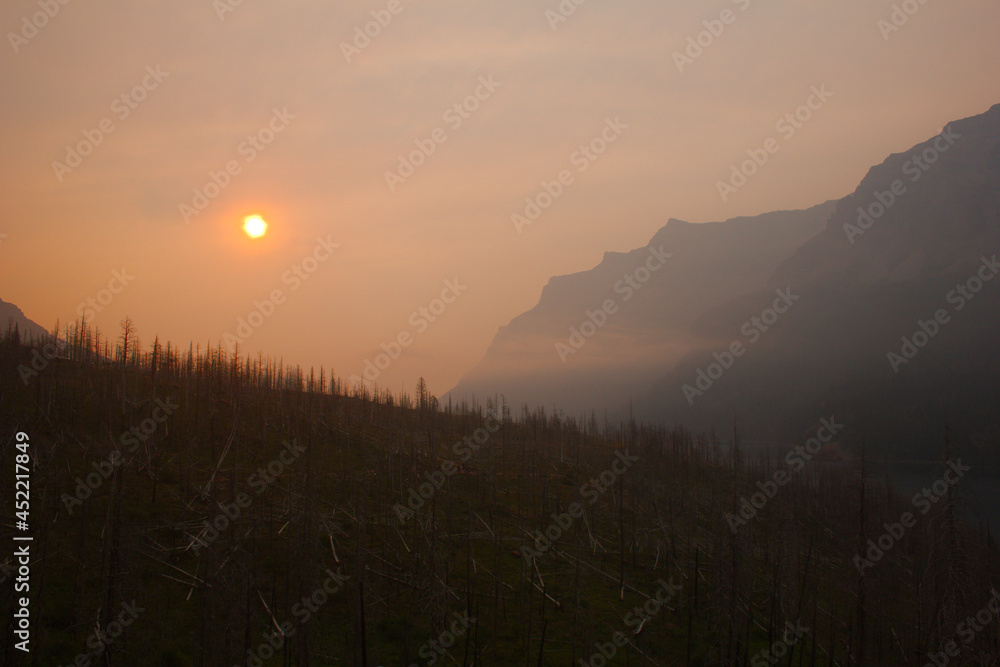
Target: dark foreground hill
[199, 509]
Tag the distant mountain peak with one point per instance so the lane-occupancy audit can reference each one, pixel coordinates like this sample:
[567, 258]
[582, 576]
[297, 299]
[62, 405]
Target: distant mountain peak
[11, 315]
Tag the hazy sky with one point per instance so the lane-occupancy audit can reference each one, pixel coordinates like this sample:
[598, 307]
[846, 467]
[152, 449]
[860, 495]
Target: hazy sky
[211, 75]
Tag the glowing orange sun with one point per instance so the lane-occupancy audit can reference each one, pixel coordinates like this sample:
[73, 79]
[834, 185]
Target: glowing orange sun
[254, 226]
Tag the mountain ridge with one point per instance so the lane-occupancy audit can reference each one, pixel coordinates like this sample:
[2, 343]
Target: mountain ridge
[927, 217]
[566, 299]
[11, 314]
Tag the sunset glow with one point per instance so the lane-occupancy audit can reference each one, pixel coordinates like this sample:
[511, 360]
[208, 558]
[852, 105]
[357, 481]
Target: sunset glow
[254, 226]
[571, 332]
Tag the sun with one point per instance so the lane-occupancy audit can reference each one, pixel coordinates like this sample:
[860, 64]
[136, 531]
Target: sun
[254, 226]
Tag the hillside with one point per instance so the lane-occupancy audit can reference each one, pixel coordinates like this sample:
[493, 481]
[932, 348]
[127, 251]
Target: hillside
[193, 508]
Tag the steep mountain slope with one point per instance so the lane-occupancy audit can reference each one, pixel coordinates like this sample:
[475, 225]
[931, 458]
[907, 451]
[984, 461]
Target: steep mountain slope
[881, 306]
[917, 239]
[641, 306]
[11, 315]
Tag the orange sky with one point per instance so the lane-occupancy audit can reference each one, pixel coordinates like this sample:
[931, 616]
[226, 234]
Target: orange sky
[199, 81]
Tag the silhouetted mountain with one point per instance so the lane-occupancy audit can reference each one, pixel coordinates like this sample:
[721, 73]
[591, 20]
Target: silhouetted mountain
[895, 253]
[650, 326]
[927, 247]
[11, 315]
